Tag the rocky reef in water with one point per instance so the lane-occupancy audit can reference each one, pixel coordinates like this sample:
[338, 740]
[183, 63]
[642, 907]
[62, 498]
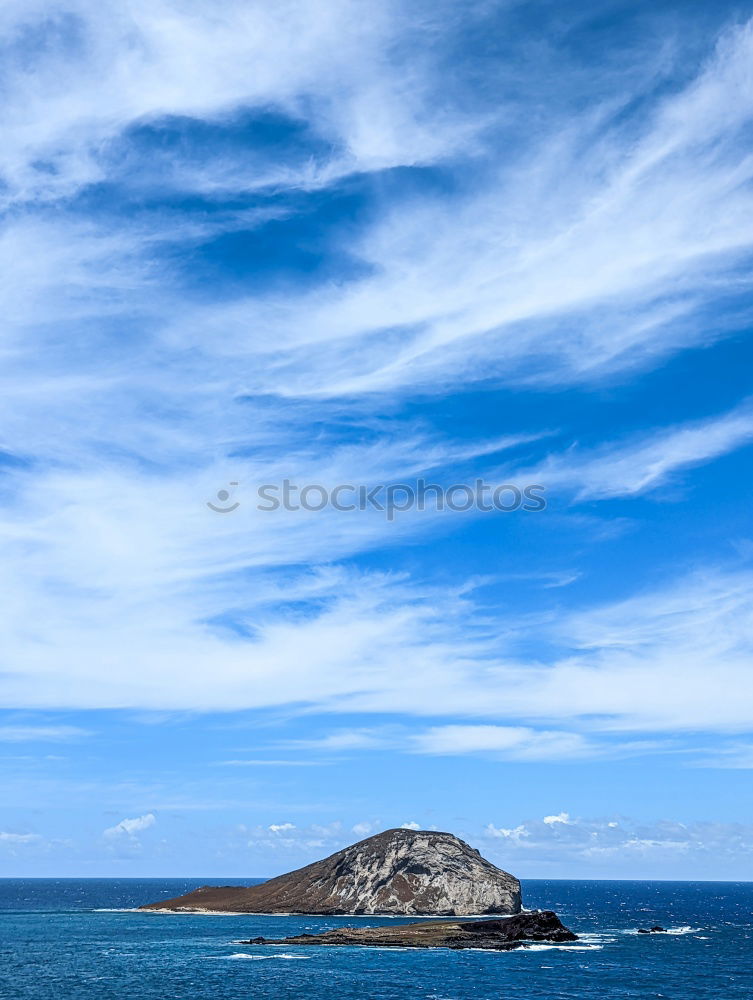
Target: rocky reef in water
[503, 934]
[398, 872]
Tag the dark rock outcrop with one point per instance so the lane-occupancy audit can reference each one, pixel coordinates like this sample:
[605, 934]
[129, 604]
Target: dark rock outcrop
[652, 930]
[410, 872]
[502, 934]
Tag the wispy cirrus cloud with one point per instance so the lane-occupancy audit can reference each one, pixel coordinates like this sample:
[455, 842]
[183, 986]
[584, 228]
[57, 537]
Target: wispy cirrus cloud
[575, 254]
[82, 75]
[665, 661]
[631, 468]
[139, 536]
[581, 256]
[511, 742]
[38, 733]
[498, 742]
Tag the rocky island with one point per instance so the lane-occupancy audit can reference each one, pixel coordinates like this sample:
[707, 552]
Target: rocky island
[398, 872]
[502, 934]
[395, 873]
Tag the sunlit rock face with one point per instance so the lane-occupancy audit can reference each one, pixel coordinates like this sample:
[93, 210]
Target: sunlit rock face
[411, 872]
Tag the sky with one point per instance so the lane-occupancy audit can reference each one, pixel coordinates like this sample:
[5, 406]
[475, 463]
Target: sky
[367, 243]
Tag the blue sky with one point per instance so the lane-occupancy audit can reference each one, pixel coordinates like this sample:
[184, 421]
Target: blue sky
[354, 242]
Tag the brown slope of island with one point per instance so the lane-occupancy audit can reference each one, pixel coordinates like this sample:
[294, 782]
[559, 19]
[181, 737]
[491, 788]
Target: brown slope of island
[502, 934]
[408, 872]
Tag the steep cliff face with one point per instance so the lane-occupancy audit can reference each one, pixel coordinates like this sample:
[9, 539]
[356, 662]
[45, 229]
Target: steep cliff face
[410, 872]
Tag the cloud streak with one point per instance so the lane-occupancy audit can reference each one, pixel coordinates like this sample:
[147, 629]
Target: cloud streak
[600, 242]
[32, 734]
[633, 468]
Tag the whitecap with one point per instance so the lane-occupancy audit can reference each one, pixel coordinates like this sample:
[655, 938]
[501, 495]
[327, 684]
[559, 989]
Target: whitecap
[260, 958]
[600, 938]
[116, 909]
[562, 947]
[187, 912]
[674, 931]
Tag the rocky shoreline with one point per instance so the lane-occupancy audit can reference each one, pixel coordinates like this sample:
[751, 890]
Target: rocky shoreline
[501, 934]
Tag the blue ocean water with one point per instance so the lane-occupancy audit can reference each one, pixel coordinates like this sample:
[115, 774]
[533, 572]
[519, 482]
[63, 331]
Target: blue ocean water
[80, 938]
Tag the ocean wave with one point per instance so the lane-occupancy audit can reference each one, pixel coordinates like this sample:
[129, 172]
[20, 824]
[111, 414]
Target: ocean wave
[562, 947]
[260, 958]
[200, 913]
[115, 909]
[673, 931]
[178, 913]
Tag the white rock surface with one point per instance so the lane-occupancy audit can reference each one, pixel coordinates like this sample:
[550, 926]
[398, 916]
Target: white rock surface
[410, 872]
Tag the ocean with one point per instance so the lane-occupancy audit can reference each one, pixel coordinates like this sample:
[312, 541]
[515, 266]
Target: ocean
[80, 938]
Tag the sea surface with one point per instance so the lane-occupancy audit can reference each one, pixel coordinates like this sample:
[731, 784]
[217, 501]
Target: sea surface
[80, 938]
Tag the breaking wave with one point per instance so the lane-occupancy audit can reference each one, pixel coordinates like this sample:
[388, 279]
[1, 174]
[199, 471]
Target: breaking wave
[260, 958]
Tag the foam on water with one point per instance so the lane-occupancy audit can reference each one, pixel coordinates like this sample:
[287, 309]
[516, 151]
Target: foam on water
[672, 931]
[260, 958]
[196, 913]
[561, 947]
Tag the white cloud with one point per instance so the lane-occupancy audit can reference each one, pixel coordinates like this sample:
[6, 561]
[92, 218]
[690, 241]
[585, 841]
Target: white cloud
[363, 829]
[663, 848]
[631, 468]
[343, 740]
[155, 551]
[100, 68]
[14, 839]
[301, 843]
[736, 757]
[130, 827]
[507, 833]
[515, 742]
[31, 734]
[595, 846]
[579, 254]
[498, 742]
[562, 817]
[674, 657]
[686, 648]
[410, 826]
